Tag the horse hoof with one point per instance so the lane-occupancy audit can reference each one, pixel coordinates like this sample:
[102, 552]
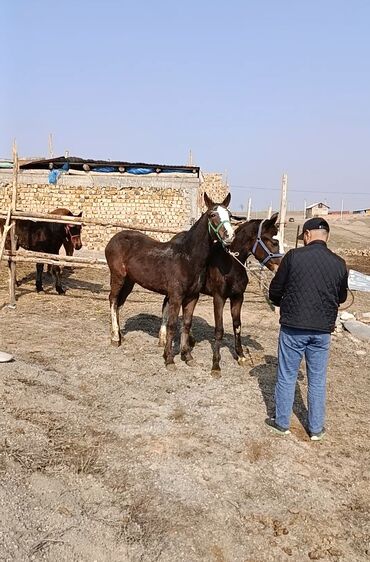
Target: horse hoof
[39, 289]
[60, 291]
[191, 363]
[216, 373]
[115, 343]
[171, 367]
[242, 361]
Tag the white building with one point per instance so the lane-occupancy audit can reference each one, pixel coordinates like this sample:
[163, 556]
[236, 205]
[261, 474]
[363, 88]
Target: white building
[317, 210]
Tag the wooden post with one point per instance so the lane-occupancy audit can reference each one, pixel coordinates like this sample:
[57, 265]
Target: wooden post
[13, 242]
[269, 212]
[341, 210]
[283, 207]
[296, 238]
[304, 210]
[50, 145]
[7, 227]
[249, 208]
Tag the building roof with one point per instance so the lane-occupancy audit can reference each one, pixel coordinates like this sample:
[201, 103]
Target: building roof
[316, 204]
[82, 164]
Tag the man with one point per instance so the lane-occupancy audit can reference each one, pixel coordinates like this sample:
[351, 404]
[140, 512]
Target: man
[309, 285]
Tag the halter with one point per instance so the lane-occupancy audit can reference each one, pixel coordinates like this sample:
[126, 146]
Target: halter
[269, 255]
[216, 230]
[68, 232]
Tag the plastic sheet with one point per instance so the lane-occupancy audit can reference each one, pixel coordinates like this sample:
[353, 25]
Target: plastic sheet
[358, 281]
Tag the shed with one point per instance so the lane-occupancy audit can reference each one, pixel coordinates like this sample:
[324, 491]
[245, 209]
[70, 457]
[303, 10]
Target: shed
[362, 211]
[317, 210]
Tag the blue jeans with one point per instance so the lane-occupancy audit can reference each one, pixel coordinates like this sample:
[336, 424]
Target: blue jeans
[293, 344]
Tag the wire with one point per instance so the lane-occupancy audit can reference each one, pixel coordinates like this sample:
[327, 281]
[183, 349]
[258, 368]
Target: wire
[320, 192]
[350, 304]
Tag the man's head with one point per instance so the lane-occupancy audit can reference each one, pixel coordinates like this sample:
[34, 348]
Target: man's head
[314, 229]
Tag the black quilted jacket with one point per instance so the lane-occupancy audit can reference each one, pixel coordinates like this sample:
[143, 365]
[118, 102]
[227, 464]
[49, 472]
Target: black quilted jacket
[309, 285]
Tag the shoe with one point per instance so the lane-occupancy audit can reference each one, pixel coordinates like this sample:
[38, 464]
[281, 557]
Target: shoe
[318, 436]
[273, 425]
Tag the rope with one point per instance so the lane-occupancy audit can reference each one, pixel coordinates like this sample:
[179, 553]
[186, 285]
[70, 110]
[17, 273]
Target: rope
[248, 270]
[350, 304]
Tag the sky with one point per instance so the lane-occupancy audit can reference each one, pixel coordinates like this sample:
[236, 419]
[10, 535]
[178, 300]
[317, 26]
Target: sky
[254, 89]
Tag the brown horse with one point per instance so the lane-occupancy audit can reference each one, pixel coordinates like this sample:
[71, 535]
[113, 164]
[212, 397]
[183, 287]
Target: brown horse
[175, 269]
[226, 278]
[48, 237]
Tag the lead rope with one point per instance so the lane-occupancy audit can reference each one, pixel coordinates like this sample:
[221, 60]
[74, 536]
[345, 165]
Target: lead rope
[235, 256]
[348, 305]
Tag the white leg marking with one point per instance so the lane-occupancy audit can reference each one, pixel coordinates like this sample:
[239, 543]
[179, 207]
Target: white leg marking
[115, 322]
[162, 335]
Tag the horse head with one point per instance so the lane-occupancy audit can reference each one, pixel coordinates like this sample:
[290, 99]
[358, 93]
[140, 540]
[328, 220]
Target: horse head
[266, 246]
[73, 233]
[219, 225]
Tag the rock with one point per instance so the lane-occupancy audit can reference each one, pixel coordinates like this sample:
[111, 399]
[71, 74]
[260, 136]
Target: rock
[5, 357]
[363, 317]
[346, 316]
[358, 329]
[335, 552]
[316, 554]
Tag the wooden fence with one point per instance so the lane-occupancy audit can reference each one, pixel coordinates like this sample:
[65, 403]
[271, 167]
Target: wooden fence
[11, 215]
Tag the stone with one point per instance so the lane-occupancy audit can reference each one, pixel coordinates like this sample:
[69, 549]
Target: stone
[358, 329]
[347, 316]
[5, 357]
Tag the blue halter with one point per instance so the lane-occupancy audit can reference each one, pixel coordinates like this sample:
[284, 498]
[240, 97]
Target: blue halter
[269, 255]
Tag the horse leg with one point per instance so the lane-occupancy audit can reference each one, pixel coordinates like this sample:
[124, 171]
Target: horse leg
[173, 314]
[218, 309]
[55, 269]
[187, 318]
[163, 329]
[121, 287]
[39, 271]
[235, 308]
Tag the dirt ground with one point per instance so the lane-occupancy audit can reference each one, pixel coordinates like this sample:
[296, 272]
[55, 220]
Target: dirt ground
[106, 456]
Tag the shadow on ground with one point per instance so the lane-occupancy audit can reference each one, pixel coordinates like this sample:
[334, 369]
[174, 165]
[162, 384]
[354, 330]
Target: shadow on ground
[265, 373]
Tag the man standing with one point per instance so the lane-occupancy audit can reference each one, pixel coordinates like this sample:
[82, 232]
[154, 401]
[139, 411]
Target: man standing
[309, 285]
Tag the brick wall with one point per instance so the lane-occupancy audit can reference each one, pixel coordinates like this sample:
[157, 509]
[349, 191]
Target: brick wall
[159, 201]
[215, 187]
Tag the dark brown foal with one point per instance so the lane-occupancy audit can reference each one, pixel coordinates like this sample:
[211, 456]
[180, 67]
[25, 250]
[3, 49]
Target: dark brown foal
[175, 269]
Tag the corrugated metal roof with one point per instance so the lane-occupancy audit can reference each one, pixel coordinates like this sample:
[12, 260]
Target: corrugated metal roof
[316, 204]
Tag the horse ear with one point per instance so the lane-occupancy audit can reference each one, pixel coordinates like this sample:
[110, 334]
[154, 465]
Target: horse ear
[226, 201]
[208, 201]
[272, 220]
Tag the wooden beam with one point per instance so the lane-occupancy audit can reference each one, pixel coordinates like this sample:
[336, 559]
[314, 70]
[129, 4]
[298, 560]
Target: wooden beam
[7, 227]
[46, 217]
[38, 257]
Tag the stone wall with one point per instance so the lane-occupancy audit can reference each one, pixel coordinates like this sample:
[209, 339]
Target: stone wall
[169, 202]
[215, 187]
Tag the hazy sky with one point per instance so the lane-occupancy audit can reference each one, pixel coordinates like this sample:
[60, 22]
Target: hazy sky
[254, 88]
